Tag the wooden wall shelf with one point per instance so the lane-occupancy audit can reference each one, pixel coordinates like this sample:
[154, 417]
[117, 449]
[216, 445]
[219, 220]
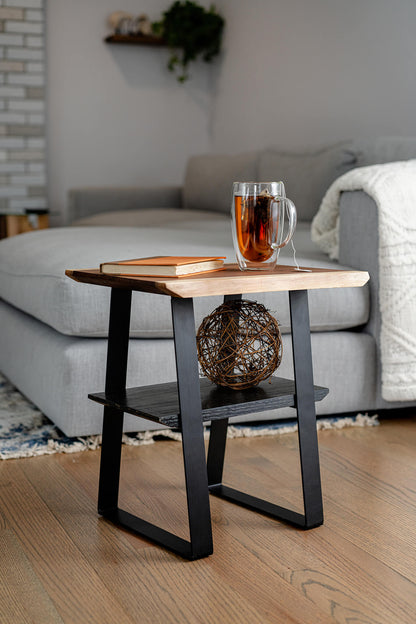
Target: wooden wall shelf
[148, 40]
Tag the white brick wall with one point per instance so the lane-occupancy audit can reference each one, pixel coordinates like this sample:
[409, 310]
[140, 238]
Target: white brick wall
[23, 27]
[11, 167]
[24, 4]
[22, 106]
[11, 14]
[13, 40]
[31, 106]
[20, 205]
[11, 142]
[34, 42]
[24, 54]
[27, 180]
[34, 16]
[12, 191]
[32, 80]
[12, 118]
[11, 92]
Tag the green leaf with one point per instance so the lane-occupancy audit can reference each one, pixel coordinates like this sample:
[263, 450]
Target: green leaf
[192, 30]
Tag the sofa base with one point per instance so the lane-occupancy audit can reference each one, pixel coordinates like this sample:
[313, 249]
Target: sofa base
[57, 372]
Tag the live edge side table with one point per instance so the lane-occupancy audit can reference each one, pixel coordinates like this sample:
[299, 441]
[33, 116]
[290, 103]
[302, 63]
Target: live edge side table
[190, 401]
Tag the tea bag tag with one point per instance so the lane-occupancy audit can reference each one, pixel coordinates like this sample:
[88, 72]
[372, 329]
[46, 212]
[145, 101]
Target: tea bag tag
[297, 267]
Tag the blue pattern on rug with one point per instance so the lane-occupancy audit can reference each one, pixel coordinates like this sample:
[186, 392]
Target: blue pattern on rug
[25, 431]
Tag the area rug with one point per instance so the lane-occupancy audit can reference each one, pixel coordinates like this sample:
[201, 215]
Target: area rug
[26, 432]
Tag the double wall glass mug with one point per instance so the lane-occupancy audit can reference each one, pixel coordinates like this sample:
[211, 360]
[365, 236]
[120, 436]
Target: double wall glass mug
[258, 213]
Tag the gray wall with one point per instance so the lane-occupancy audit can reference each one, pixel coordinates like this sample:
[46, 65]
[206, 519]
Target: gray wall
[293, 73]
[305, 72]
[116, 115]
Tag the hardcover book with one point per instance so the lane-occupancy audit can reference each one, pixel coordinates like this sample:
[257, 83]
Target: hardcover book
[164, 266]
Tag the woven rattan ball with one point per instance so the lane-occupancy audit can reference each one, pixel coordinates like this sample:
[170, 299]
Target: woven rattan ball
[239, 344]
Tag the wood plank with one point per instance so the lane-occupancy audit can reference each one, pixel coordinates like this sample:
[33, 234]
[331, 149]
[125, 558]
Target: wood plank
[375, 504]
[168, 506]
[394, 594]
[273, 475]
[228, 281]
[22, 596]
[336, 584]
[231, 558]
[348, 568]
[71, 582]
[139, 574]
[159, 402]
[358, 566]
[318, 584]
[293, 556]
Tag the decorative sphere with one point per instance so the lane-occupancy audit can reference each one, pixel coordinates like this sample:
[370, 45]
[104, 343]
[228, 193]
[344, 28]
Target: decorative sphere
[239, 344]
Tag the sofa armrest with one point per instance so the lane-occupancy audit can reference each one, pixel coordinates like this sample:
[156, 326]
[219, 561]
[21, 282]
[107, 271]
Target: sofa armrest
[359, 249]
[358, 245]
[84, 202]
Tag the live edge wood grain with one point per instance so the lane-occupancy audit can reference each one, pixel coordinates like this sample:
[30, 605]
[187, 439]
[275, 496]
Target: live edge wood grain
[159, 403]
[229, 281]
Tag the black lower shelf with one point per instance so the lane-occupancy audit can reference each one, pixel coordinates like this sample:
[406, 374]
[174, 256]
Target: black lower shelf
[159, 402]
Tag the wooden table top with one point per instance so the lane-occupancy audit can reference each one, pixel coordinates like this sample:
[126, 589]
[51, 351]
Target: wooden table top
[229, 281]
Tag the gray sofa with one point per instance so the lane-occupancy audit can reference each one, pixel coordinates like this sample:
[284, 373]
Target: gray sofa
[53, 330]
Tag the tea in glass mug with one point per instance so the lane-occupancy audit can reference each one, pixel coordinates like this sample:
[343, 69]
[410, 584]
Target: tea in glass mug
[258, 212]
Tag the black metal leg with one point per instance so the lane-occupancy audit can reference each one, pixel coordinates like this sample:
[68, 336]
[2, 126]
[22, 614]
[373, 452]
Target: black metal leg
[218, 437]
[200, 543]
[216, 451]
[192, 428]
[308, 439]
[117, 351]
[110, 460]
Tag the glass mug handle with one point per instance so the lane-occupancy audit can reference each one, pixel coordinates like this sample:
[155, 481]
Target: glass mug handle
[292, 220]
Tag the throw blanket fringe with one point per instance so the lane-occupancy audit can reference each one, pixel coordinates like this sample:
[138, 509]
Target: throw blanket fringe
[393, 188]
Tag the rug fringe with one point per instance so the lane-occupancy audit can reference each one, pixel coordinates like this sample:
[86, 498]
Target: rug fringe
[241, 431]
[54, 444]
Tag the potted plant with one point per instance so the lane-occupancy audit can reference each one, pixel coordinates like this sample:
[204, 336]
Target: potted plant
[190, 31]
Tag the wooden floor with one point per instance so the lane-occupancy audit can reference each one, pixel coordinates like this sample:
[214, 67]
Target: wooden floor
[60, 562]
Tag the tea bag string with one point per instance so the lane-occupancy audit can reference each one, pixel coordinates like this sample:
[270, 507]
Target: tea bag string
[297, 267]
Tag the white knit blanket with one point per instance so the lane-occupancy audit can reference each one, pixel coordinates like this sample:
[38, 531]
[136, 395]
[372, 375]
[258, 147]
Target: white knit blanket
[393, 188]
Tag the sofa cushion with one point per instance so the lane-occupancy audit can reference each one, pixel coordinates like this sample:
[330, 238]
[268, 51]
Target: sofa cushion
[32, 277]
[307, 176]
[146, 217]
[89, 200]
[209, 179]
[384, 150]
[57, 372]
